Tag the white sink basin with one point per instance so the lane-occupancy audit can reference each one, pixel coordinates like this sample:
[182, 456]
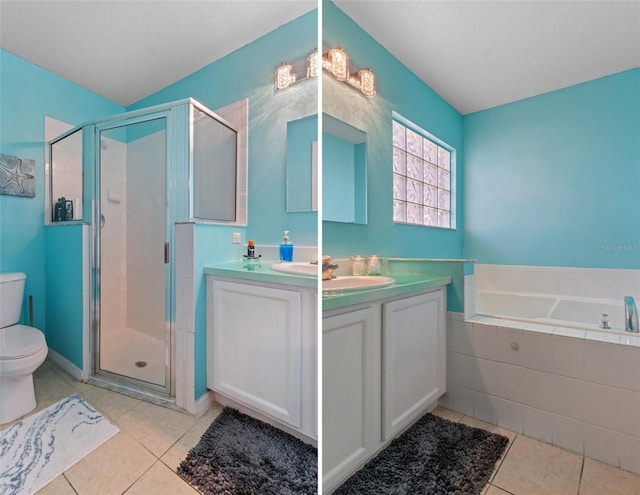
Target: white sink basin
[352, 282]
[296, 268]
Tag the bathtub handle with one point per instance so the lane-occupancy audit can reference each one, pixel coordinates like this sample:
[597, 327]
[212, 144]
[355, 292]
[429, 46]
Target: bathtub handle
[630, 315]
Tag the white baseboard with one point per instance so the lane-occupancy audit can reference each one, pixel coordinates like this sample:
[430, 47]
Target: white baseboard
[65, 364]
[203, 403]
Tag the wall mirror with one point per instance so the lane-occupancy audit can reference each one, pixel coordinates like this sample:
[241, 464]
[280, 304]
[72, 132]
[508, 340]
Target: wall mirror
[302, 164]
[344, 172]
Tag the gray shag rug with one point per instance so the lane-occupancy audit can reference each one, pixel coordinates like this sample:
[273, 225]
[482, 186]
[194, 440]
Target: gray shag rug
[435, 457]
[239, 455]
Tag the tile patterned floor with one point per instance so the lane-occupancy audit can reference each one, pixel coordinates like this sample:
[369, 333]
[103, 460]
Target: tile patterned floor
[139, 460]
[143, 457]
[530, 467]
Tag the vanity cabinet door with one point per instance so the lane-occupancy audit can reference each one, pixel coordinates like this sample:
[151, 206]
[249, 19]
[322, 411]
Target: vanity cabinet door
[350, 392]
[413, 358]
[255, 353]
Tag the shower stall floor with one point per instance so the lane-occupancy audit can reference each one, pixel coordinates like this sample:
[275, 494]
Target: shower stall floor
[122, 348]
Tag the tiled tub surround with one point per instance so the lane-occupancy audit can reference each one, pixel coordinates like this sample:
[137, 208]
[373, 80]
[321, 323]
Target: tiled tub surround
[564, 386]
[596, 283]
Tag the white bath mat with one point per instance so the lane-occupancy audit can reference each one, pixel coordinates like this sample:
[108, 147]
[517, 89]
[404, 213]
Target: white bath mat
[41, 447]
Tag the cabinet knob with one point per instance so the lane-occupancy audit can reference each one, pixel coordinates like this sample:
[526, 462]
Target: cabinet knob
[514, 346]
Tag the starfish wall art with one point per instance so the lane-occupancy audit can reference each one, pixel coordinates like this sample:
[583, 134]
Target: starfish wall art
[17, 176]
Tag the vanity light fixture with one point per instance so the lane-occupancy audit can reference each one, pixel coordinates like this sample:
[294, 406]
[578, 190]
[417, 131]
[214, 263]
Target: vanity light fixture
[367, 82]
[284, 76]
[287, 74]
[313, 64]
[336, 62]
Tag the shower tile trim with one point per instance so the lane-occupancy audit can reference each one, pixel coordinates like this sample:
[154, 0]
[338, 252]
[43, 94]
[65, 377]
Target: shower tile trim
[184, 318]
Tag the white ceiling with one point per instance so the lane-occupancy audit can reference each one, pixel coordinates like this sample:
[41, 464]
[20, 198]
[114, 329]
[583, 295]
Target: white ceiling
[127, 50]
[480, 54]
[476, 54]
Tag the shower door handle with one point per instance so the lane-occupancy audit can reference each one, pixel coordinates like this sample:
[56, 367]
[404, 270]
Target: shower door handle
[166, 253]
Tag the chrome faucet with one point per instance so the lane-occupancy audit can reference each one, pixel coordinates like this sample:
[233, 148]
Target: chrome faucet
[630, 315]
[328, 267]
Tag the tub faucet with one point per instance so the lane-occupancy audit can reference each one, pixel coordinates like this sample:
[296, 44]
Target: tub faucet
[630, 315]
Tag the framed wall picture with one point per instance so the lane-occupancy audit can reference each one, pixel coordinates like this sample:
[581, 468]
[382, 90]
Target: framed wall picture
[17, 176]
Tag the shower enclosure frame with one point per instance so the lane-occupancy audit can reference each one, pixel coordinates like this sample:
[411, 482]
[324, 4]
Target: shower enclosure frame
[179, 118]
[118, 122]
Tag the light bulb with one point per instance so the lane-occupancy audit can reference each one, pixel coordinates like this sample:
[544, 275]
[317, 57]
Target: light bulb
[284, 76]
[312, 64]
[367, 82]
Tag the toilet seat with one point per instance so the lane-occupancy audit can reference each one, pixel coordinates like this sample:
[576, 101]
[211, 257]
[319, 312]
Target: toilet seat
[19, 341]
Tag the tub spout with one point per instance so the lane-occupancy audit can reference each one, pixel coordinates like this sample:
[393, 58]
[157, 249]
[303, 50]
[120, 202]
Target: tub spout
[630, 315]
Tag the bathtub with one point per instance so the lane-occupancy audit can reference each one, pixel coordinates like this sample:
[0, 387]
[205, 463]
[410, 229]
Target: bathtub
[558, 311]
[538, 364]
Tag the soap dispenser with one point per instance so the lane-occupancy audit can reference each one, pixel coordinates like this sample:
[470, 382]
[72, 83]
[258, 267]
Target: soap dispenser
[286, 248]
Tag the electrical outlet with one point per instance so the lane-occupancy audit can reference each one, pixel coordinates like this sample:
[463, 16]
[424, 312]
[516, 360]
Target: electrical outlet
[237, 237]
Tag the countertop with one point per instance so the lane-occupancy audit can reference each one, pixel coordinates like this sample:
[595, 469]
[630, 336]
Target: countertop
[259, 271]
[405, 283]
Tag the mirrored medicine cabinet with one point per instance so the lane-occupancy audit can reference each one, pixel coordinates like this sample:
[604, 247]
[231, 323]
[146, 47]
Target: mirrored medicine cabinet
[344, 172]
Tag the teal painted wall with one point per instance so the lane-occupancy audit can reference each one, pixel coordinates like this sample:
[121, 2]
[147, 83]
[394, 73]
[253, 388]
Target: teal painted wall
[398, 89]
[63, 286]
[554, 180]
[28, 93]
[249, 73]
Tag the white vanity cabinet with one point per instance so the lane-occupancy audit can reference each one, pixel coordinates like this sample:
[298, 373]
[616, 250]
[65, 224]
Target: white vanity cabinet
[350, 390]
[413, 358]
[383, 367]
[261, 349]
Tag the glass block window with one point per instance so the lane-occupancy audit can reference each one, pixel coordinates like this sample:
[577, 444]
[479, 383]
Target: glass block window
[421, 178]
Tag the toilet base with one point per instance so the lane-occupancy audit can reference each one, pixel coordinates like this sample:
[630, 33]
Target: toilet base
[17, 397]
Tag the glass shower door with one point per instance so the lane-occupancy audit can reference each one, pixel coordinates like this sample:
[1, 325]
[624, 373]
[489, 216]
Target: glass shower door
[132, 297]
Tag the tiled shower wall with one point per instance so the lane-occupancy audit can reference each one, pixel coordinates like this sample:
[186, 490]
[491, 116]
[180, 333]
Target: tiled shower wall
[113, 278]
[145, 231]
[184, 338]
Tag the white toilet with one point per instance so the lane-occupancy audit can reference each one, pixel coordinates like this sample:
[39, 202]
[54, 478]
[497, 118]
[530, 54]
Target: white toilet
[22, 350]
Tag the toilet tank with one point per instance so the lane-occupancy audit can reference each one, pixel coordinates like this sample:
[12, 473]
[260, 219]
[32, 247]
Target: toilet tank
[11, 292]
